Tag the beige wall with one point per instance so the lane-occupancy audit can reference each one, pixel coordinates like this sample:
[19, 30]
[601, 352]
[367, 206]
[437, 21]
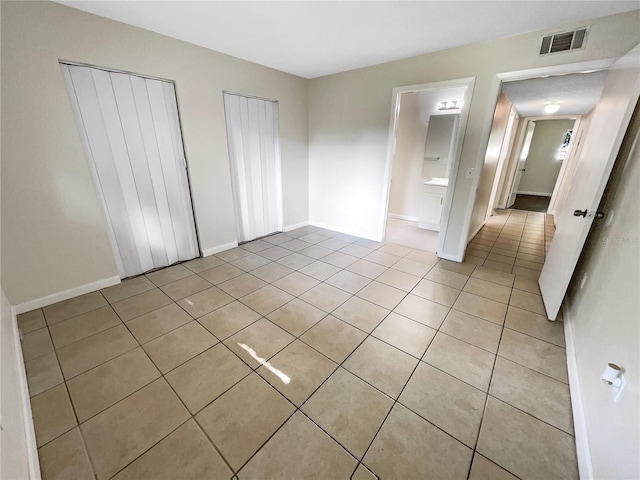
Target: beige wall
[349, 121]
[54, 236]
[542, 165]
[603, 316]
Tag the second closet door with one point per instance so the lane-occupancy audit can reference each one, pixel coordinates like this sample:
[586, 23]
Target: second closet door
[131, 134]
[254, 155]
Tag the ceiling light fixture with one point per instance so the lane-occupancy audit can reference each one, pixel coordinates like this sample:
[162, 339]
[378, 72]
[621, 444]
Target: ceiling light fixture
[451, 105]
[552, 108]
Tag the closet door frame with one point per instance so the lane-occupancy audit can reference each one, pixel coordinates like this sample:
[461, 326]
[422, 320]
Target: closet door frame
[94, 173]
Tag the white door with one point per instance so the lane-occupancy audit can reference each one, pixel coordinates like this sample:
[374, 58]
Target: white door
[254, 158]
[522, 160]
[600, 147]
[130, 131]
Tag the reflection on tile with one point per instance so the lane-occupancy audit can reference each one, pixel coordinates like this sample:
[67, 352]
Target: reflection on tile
[297, 371]
[535, 393]
[296, 317]
[52, 414]
[242, 419]
[424, 450]
[185, 453]
[127, 429]
[381, 365]
[349, 410]
[65, 457]
[445, 401]
[208, 300]
[361, 314]
[405, 334]
[517, 442]
[302, 450]
[333, 338]
[462, 360]
[258, 342]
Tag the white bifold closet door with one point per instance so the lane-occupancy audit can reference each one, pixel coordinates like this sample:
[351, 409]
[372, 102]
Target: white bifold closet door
[130, 131]
[254, 156]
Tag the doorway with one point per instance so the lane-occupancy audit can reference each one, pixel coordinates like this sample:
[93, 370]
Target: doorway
[130, 130]
[425, 143]
[254, 159]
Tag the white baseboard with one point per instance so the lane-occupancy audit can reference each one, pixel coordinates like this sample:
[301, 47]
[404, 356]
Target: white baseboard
[64, 295]
[583, 451]
[220, 248]
[403, 217]
[539, 194]
[288, 228]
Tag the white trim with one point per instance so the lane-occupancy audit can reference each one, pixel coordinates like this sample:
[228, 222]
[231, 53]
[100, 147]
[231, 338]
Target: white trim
[403, 217]
[288, 228]
[64, 295]
[583, 451]
[29, 430]
[220, 248]
[346, 231]
[475, 232]
[538, 194]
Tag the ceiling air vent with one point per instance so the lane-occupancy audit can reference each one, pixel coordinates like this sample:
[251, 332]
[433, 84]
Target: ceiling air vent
[563, 42]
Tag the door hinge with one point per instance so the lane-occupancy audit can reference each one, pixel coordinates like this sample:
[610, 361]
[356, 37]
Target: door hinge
[588, 214]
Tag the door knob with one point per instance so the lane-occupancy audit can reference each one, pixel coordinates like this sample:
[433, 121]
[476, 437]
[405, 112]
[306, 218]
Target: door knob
[580, 213]
[585, 213]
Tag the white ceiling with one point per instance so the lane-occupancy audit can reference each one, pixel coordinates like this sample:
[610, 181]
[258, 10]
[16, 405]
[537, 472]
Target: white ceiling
[316, 38]
[576, 93]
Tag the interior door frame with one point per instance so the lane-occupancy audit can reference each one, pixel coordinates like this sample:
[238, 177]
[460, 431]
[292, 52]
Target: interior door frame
[468, 82]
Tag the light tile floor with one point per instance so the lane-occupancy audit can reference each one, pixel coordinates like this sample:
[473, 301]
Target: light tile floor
[310, 354]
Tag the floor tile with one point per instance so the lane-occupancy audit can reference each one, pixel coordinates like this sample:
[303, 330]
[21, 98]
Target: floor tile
[256, 246]
[535, 325]
[242, 285]
[409, 447]
[295, 261]
[339, 259]
[462, 360]
[124, 431]
[92, 351]
[401, 280]
[349, 410]
[221, 273]
[297, 371]
[405, 334]
[43, 373]
[348, 281]
[428, 258]
[473, 330]
[303, 450]
[295, 245]
[481, 307]
[140, 304]
[526, 272]
[363, 473]
[258, 342]
[127, 288]
[82, 326]
[366, 269]
[450, 404]
[168, 275]
[252, 261]
[31, 321]
[179, 345]
[185, 287]
[483, 469]
[382, 295]
[36, 344]
[498, 266]
[313, 238]
[325, 297]
[361, 313]
[535, 393]
[333, 338]
[266, 300]
[493, 276]
[206, 376]
[428, 313]
[382, 258]
[487, 289]
[381, 365]
[227, 320]
[274, 253]
[274, 271]
[201, 264]
[528, 284]
[436, 292]
[74, 306]
[155, 324]
[412, 267]
[101, 387]
[52, 414]
[185, 453]
[524, 445]
[65, 458]
[446, 277]
[528, 301]
[333, 244]
[243, 419]
[501, 258]
[536, 354]
[314, 251]
[296, 283]
[356, 250]
[296, 317]
[319, 270]
[463, 268]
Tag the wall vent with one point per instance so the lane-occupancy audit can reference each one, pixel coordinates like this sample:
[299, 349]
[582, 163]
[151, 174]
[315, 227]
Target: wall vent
[563, 42]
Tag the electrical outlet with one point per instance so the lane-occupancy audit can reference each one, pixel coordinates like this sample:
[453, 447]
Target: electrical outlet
[469, 173]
